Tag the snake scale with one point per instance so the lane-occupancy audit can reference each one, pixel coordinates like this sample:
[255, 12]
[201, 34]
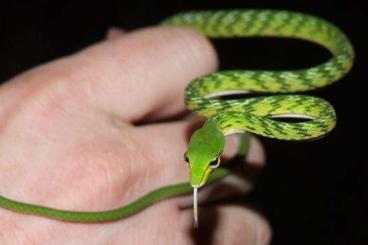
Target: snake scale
[254, 115]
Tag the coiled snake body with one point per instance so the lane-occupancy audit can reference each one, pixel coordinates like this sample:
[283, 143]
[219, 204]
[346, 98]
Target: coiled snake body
[254, 115]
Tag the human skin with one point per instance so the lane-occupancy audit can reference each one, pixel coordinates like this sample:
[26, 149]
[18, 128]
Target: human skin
[72, 137]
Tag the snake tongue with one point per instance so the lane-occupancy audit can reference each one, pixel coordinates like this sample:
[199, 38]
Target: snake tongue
[195, 207]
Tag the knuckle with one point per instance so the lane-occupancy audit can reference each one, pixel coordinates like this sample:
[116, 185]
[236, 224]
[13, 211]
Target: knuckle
[193, 48]
[184, 47]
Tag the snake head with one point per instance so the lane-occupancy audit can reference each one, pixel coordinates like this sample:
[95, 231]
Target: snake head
[204, 151]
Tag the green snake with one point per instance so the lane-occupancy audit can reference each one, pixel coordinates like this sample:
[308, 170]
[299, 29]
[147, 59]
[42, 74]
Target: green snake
[227, 116]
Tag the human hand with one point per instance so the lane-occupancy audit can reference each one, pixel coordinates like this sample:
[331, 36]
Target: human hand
[69, 139]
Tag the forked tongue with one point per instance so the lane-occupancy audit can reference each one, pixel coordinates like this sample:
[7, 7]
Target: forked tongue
[195, 207]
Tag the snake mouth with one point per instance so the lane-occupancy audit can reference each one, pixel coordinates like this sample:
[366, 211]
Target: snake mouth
[197, 185]
[198, 179]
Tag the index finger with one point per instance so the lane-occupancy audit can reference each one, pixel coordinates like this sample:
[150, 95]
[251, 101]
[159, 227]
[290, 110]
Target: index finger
[140, 75]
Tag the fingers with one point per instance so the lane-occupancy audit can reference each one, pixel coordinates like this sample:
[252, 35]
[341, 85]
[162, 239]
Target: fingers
[168, 142]
[256, 155]
[241, 179]
[139, 76]
[228, 225]
[145, 73]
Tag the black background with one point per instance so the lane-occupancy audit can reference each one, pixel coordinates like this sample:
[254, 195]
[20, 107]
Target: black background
[311, 192]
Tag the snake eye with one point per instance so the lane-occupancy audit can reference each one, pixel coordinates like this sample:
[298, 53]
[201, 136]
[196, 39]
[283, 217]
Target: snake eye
[186, 159]
[215, 162]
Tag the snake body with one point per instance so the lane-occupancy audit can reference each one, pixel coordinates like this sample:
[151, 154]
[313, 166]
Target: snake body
[254, 115]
